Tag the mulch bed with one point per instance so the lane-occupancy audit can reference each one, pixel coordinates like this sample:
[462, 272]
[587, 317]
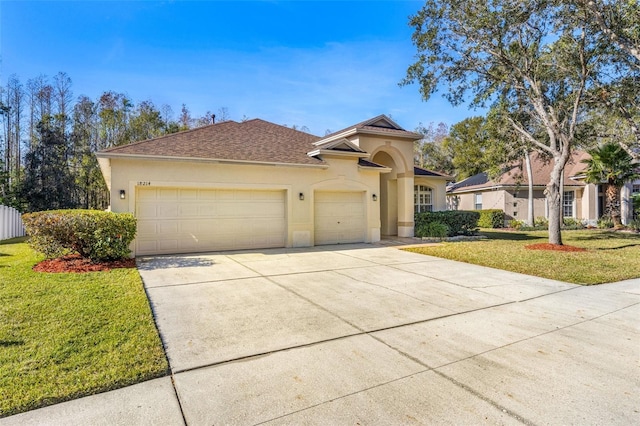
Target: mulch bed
[554, 247]
[79, 264]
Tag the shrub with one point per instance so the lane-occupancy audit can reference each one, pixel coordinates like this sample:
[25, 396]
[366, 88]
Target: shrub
[541, 222]
[634, 225]
[605, 222]
[571, 223]
[493, 218]
[516, 224]
[459, 222]
[432, 229]
[97, 235]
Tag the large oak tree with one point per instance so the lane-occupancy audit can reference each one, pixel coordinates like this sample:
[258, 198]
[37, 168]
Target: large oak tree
[527, 59]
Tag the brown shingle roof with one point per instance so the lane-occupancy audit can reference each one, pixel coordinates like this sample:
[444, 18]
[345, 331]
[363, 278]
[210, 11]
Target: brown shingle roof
[371, 125]
[253, 141]
[515, 174]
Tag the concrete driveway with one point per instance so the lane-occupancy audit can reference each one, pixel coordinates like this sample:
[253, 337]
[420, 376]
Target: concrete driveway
[367, 334]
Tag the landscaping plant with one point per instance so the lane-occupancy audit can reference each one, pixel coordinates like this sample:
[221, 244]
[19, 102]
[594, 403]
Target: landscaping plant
[96, 235]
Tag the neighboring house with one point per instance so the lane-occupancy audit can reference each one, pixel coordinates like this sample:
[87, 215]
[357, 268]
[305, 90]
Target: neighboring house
[509, 192]
[256, 184]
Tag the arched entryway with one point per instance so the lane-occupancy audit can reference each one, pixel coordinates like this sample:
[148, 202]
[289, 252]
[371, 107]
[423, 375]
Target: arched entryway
[396, 193]
[388, 194]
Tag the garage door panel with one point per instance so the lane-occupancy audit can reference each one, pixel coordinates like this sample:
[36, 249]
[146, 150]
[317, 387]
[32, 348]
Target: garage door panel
[165, 194]
[189, 220]
[339, 217]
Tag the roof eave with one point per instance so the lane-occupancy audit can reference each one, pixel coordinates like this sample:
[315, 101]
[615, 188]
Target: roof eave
[334, 153]
[206, 160]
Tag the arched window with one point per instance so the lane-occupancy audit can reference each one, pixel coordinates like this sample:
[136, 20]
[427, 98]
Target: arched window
[422, 199]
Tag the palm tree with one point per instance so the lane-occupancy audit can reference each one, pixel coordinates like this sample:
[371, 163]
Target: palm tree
[611, 165]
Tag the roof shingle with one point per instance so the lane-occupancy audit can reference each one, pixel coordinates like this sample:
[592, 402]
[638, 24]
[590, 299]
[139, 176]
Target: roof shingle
[251, 141]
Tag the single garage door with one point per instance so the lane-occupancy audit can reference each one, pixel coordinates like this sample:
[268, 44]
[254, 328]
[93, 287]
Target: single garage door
[339, 217]
[185, 220]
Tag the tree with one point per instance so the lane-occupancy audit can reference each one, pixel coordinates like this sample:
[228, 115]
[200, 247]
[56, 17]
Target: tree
[48, 184]
[473, 148]
[429, 151]
[612, 165]
[615, 29]
[531, 59]
[145, 123]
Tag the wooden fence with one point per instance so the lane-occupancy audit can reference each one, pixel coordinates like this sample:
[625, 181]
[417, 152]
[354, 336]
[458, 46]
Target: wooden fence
[10, 223]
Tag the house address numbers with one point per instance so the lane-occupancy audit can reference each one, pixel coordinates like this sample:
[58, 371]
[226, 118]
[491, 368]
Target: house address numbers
[144, 183]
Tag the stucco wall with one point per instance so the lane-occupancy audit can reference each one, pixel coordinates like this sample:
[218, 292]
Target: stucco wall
[341, 175]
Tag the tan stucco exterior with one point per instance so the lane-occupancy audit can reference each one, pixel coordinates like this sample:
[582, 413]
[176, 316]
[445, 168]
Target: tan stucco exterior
[387, 191]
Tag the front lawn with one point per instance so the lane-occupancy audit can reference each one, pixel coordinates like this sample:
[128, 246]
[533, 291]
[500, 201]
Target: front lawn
[66, 335]
[610, 256]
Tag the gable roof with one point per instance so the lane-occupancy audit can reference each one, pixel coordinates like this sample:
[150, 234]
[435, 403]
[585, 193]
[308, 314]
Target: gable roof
[419, 171]
[514, 174]
[380, 125]
[249, 141]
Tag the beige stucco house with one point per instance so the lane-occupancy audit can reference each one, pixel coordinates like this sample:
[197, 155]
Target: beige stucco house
[256, 184]
[509, 192]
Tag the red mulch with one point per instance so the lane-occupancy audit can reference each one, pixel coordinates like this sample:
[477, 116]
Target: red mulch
[77, 263]
[556, 247]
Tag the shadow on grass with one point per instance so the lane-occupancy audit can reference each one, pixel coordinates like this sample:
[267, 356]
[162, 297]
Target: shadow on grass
[512, 236]
[610, 235]
[6, 343]
[617, 248]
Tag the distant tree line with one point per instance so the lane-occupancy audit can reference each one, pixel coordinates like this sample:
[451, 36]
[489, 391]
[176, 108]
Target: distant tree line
[48, 139]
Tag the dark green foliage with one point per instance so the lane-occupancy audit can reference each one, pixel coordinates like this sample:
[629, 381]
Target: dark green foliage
[493, 218]
[48, 183]
[432, 229]
[94, 234]
[459, 222]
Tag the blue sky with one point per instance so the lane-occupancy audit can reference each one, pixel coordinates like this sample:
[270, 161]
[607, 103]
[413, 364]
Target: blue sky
[324, 65]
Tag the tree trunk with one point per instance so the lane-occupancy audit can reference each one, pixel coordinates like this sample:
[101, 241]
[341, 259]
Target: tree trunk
[613, 205]
[530, 215]
[554, 201]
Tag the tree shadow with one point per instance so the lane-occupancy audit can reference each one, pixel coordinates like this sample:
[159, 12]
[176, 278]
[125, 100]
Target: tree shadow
[619, 247]
[163, 262]
[611, 235]
[511, 236]
[7, 343]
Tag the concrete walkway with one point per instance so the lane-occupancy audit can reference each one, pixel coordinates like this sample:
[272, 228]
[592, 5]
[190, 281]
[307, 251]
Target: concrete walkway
[368, 334]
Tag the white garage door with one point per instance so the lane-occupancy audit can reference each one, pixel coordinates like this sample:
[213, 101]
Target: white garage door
[184, 220]
[339, 217]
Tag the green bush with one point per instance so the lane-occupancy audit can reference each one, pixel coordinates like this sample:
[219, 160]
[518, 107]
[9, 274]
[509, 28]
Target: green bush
[492, 218]
[516, 224]
[634, 225]
[605, 222]
[635, 201]
[459, 222]
[97, 235]
[571, 223]
[432, 229]
[541, 222]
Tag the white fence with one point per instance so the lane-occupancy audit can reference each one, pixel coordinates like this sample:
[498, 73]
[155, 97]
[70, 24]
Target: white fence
[10, 223]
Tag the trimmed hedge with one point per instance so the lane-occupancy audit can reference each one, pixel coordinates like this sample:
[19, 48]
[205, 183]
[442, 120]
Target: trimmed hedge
[97, 235]
[493, 218]
[459, 222]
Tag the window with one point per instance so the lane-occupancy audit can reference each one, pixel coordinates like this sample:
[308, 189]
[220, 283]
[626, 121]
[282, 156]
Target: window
[567, 204]
[635, 189]
[478, 199]
[422, 199]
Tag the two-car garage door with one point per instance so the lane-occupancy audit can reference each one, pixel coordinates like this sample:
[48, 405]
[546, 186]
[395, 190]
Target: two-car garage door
[183, 220]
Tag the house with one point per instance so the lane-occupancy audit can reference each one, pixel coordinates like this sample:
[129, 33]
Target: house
[509, 191]
[255, 184]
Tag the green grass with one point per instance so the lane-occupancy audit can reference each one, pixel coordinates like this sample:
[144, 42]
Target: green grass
[610, 256]
[63, 336]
